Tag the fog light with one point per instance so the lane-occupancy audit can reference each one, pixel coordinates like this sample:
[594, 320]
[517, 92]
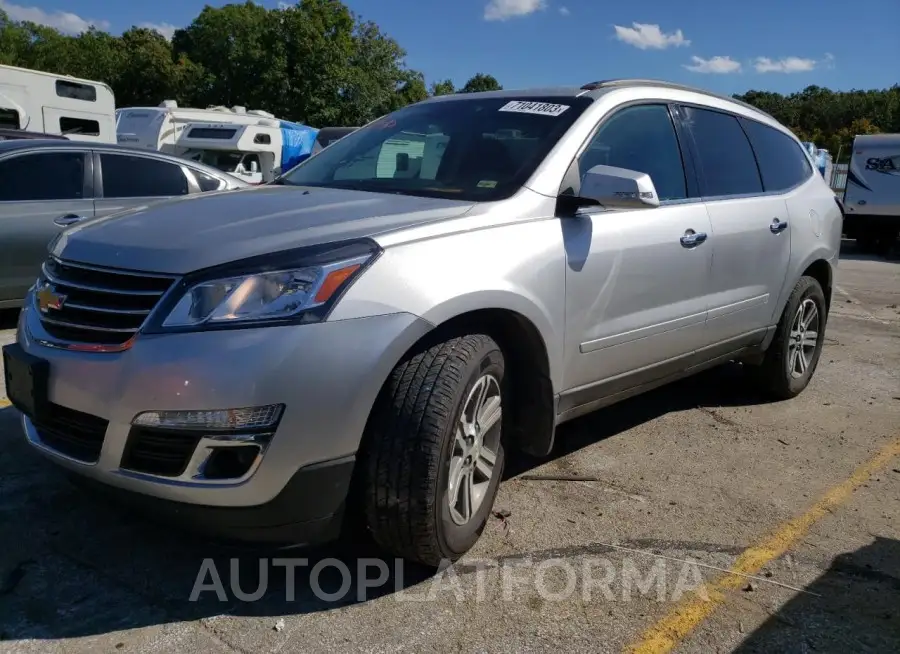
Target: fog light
[230, 462]
[226, 420]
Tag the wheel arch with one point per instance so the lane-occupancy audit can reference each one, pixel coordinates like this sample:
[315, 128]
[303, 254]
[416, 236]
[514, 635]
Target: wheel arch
[530, 420]
[820, 270]
[819, 265]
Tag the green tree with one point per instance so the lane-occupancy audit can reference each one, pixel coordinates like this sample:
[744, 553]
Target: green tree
[317, 62]
[148, 73]
[411, 91]
[481, 82]
[832, 118]
[13, 41]
[444, 87]
[238, 42]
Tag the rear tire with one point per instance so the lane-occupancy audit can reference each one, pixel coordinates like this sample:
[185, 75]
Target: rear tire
[792, 357]
[424, 444]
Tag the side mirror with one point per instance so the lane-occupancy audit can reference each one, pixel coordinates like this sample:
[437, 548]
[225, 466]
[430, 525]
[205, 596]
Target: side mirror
[254, 167]
[618, 188]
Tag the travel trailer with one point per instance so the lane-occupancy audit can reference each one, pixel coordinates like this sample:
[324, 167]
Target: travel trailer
[36, 101]
[250, 144]
[872, 194]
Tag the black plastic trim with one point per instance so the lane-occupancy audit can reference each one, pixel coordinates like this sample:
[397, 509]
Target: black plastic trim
[308, 510]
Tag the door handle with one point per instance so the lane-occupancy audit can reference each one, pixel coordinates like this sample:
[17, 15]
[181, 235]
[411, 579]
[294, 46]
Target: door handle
[69, 219]
[777, 226]
[692, 239]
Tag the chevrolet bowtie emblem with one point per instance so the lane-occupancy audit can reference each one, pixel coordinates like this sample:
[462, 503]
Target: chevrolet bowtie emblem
[49, 299]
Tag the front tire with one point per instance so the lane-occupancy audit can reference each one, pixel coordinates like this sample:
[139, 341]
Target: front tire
[433, 455]
[793, 355]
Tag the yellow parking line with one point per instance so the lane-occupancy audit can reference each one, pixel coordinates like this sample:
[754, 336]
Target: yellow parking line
[4, 402]
[689, 613]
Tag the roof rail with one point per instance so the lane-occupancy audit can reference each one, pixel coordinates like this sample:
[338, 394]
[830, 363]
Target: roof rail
[626, 82]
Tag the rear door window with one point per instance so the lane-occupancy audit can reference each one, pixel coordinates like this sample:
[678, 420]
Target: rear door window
[42, 176]
[726, 161]
[782, 162]
[126, 176]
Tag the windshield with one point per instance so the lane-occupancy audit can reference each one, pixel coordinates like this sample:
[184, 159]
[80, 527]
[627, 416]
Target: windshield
[477, 149]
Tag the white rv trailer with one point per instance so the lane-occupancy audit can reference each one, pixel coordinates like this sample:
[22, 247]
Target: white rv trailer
[872, 194]
[56, 104]
[251, 152]
[250, 144]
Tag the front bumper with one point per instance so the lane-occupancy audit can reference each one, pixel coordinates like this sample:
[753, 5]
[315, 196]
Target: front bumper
[327, 376]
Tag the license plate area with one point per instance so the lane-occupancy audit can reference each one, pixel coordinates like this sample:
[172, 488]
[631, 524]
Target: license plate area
[26, 379]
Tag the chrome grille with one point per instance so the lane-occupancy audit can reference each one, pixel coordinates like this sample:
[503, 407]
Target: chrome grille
[99, 305]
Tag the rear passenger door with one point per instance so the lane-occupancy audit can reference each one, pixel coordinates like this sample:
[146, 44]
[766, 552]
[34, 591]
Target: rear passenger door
[751, 235]
[787, 172]
[40, 193]
[125, 181]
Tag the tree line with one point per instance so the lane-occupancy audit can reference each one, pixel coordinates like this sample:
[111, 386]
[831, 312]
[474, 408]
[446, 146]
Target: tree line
[315, 62]
[831, 119]
[318, 63]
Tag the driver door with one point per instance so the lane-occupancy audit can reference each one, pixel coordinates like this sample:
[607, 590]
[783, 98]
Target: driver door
[636, 290]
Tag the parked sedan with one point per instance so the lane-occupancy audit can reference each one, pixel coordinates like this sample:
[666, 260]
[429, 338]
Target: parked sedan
[46, 185]
[8, 134]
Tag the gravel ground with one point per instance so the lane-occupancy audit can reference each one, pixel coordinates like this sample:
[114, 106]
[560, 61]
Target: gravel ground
[680, 483]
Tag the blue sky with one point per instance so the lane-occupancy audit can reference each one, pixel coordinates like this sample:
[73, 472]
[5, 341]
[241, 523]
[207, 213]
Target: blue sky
[723, 45]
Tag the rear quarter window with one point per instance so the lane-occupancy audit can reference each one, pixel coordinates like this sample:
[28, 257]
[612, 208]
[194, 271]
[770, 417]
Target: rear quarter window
[782, 161]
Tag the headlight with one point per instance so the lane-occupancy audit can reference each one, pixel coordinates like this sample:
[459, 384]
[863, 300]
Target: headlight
[265, 291]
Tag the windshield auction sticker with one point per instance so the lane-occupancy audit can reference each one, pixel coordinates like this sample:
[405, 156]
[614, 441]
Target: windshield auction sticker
[539, 108]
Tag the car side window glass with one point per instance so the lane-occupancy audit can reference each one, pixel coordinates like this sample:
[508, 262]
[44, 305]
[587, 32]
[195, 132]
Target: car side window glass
[126, 176]
[727, 164]
[782, 161]
[207, 182]
[640, 138]
[42, 176]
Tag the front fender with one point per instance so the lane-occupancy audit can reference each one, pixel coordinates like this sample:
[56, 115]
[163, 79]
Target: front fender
[519, 268]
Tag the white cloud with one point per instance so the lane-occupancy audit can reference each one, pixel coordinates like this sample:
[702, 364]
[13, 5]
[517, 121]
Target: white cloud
[785, 65]
[650, 37]
[64, 21]
[506, 9]
[564, 11]
[166, 29]
[715, 65]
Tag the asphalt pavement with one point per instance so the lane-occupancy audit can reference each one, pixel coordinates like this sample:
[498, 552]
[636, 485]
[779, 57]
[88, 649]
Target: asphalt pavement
[696, 518]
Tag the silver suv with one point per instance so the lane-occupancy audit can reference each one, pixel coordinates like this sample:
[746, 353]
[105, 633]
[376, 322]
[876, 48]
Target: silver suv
[372, 334]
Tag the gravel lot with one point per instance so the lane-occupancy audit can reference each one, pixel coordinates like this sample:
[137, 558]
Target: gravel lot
[802, 496]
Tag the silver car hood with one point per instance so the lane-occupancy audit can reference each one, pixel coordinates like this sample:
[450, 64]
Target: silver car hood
[186, 234]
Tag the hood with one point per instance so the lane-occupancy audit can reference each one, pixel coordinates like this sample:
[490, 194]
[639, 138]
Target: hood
[186, 234]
